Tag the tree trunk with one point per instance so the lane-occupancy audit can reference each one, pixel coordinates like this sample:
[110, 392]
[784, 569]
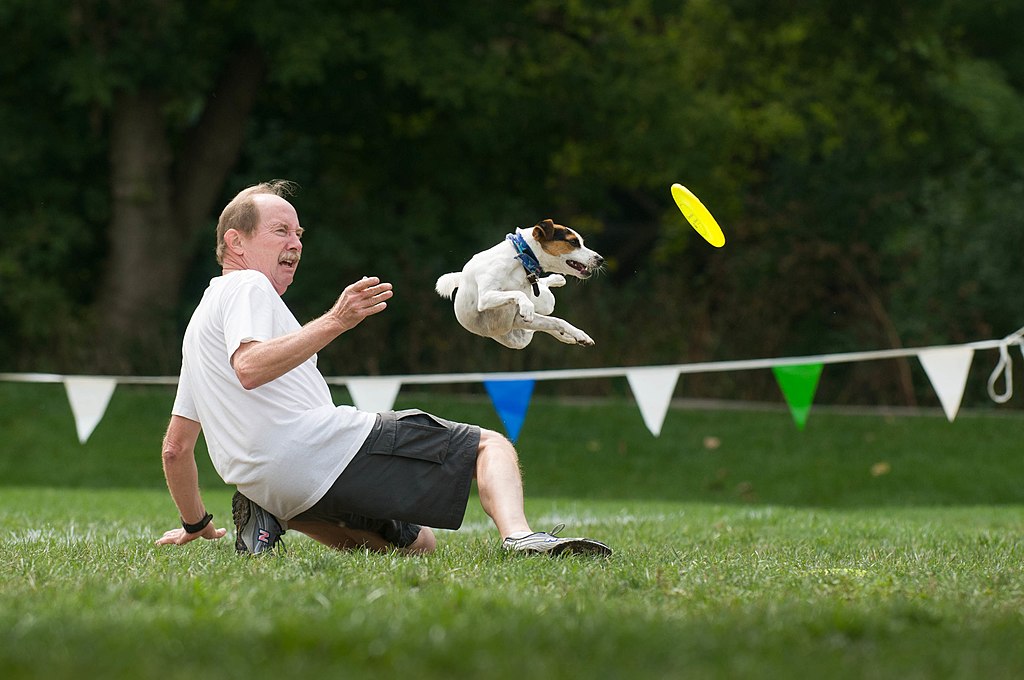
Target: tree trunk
[214, 143]
[159, 203]
[144, 264]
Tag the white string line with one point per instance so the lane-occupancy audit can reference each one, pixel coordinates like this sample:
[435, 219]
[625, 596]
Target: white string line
[58, 378]
[1004, 367]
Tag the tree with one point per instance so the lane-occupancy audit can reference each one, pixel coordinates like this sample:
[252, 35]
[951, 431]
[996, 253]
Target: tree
[167, 90]
[850, 152]
[176, 95]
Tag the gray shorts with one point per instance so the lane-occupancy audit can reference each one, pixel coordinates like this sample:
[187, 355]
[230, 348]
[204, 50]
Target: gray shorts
[413, 469]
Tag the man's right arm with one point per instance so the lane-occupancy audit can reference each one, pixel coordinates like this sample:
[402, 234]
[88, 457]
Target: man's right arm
[183, 480]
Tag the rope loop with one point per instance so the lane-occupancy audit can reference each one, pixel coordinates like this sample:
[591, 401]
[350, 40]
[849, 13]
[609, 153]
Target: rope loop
[1005, 367]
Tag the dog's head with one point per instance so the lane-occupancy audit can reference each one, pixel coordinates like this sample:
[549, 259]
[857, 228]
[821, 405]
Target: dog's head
[560, 250]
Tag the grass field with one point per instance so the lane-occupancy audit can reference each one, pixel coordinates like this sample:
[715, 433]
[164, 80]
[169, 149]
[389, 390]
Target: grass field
[864, 547]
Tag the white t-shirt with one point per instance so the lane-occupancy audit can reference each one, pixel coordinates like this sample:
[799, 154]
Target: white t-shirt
[283, 444]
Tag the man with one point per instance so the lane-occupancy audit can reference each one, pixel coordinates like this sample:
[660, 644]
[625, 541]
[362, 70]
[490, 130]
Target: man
[344, 477]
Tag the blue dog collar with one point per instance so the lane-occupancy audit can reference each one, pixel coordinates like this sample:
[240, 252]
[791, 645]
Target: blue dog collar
[526, 257]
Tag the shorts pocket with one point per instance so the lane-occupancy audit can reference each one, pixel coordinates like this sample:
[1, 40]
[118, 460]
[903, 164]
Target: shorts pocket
[413, 434]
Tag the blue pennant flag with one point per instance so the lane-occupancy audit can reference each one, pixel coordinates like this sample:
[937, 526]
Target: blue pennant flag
[511, 398]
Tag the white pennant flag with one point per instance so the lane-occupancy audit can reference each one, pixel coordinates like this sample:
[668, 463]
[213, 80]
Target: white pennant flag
[373, 394]
[88, 398]
[947, 368]
[652, 389]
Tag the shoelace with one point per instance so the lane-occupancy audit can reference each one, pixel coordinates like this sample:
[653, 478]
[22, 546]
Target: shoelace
[557, 529]
[280, 540]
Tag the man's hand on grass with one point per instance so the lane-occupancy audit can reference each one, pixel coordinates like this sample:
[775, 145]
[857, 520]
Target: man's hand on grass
[180, 537]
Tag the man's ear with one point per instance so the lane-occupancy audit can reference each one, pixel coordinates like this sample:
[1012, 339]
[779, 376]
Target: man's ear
[233, 241]
[544, 230]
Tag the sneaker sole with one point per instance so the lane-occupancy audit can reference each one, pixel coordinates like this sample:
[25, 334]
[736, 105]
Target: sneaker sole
[240, 515]
[580, 546]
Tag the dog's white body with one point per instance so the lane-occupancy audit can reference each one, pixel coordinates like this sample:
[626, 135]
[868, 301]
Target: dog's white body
[495, 297]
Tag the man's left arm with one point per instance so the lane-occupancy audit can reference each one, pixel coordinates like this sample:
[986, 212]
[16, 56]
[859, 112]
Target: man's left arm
[182, 476]
[257, 363]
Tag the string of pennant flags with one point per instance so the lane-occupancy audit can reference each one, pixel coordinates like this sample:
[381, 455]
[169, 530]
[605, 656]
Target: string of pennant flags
[947, 367]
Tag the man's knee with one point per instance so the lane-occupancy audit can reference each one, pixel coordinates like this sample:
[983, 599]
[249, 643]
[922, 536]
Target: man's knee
[495, 441]
[424, 544]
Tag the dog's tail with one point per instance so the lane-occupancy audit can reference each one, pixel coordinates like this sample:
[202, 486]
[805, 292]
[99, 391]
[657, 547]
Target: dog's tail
[447, 284]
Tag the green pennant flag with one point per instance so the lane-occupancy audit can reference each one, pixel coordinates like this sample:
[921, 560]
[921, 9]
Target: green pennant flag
[798, 384]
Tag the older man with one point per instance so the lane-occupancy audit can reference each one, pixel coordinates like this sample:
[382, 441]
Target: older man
[345, 477]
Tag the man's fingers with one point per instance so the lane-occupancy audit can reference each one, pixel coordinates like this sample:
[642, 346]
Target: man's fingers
[369, 284]
[172, 537]
[366, 297]
[380, 289]
[382, 294]
[180, 537]
[364, 283]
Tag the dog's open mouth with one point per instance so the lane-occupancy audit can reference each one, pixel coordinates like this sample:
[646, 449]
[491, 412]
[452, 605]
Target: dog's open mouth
[583, 270]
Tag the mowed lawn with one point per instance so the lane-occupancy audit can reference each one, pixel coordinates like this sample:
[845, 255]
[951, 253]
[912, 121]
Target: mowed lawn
[867, 546]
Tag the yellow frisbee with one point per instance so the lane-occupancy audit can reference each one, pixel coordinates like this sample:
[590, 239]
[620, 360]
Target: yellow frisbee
[698, 216]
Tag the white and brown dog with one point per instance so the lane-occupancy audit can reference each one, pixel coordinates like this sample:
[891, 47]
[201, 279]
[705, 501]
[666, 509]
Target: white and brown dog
[505, 293]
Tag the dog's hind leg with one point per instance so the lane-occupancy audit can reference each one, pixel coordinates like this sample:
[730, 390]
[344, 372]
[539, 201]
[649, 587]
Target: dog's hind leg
[562, 330]
[517, 338]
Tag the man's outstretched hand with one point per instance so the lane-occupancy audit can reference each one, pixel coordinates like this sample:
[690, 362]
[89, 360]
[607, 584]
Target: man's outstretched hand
[364, 298]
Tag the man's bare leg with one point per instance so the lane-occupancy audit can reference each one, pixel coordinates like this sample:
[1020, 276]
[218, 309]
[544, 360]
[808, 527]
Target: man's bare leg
[343, 538]
[500, 483]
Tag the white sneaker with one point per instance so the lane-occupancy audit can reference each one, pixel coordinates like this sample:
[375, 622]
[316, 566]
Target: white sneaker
[551, 544]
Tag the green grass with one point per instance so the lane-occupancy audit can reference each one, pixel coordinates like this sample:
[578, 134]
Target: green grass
[694, 590]
[593, 450]
[775, 554]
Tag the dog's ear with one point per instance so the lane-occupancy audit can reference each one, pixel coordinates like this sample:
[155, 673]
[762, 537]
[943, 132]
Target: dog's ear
[544, 230]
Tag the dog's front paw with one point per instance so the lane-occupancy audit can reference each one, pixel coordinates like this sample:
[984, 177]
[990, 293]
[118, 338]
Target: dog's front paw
[554, 280]
[526, 310]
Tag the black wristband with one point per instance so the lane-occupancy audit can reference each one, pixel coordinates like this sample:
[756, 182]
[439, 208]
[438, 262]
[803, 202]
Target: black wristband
[197, 527]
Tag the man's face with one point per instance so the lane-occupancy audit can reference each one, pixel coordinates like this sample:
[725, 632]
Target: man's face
[276, 247]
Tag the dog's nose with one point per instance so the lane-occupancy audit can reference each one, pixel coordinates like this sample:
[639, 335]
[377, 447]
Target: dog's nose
[598, 260]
